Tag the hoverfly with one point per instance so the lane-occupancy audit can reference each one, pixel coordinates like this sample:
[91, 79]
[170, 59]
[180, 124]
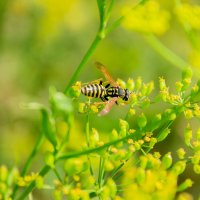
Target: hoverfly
[109, 93]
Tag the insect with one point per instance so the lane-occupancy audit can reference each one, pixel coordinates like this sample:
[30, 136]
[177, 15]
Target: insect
[109, 93]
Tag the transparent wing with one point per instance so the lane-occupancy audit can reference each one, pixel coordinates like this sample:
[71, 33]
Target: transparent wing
[105, 72]
[108, 106]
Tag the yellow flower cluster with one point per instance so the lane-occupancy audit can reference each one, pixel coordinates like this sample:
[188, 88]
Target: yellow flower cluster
[54, 15]
[189, 15]
[154, 178]
[147, 18]
[26, 180]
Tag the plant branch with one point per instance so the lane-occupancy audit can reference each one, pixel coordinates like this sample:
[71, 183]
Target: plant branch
[168, 54]
[25, 193]
[101, 34]
[83, 62]
[30, 159]
[93, 150]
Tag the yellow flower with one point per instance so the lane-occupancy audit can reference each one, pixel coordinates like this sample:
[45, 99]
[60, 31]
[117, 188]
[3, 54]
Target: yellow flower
[189, 15]
[147, 18]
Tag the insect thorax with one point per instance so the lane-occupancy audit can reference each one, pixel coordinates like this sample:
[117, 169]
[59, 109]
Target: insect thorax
[115, 92]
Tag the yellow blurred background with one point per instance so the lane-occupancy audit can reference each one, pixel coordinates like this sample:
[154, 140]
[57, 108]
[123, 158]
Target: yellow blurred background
[42, 43]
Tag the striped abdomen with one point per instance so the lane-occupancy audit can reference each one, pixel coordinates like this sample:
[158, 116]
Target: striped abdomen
[93, 90]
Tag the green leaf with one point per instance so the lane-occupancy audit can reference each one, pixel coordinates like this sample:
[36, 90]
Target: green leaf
[188, 135]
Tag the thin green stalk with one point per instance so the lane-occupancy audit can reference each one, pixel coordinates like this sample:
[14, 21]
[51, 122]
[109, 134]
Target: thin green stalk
[83, 62]
[101, 171]
[57, 174]
[116, 170]
[30, 159]
[87, 130]
[92, 150]
[168, 54]
[25, 193]
[102, 33]
[66, 138]
[165, 52]
[33, 153]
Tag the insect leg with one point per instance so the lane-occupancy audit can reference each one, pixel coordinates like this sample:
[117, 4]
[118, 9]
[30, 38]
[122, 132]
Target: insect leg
[103, 99]
[107, 85]
[108, 106]
[106, 98]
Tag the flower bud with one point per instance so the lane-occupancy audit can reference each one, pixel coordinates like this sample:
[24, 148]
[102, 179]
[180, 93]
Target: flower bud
[162, 84]
[167, 160]
[179, 86]
[188, 114]
[163, 134]
[195, 159]
[181, 153]
[138, 83]
[114, 135]
[196, 168]
[140, 176]
[130, 84]
[150, 87]
[121, 83]
[188, 135]
[94, 108]
[186, 184]
[142, 121]
[179, 167]
[81, 107]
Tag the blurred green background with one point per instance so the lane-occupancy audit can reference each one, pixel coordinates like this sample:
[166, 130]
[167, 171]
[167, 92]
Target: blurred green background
[41, 44]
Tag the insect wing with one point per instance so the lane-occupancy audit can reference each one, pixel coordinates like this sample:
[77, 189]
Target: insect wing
[105, 72]
[108, 106]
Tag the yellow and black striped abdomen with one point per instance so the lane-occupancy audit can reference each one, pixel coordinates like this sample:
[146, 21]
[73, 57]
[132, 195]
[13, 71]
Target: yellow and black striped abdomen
[93, 90]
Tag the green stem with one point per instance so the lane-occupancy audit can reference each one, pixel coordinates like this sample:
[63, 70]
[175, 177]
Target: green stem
[33, 153]
[165, 52]
[25, 193]
[101, 171]
[66, 138]
[30, 159]
[87, 130]
[88, 141]
[168, 54]
[92, 150]
[83, 62]
[57, 174]
[102, 33]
